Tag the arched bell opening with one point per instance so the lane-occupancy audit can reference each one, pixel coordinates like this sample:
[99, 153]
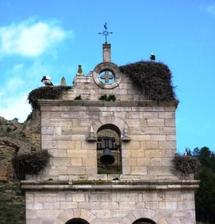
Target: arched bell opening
[109, 158]
[144, 221]
[77, 221]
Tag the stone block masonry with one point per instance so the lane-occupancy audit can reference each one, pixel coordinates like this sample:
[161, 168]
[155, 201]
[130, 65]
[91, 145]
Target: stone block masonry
[108, 203]
[64, 136]
[111, 153]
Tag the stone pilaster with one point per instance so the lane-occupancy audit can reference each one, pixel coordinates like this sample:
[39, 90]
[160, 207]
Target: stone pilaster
[106, 52]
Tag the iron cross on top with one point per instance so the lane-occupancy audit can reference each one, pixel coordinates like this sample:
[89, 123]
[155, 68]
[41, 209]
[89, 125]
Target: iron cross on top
[105, 33]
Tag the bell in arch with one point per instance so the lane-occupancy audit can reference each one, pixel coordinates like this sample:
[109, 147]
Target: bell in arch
[107, 158]
[108, 149]
[107, 144]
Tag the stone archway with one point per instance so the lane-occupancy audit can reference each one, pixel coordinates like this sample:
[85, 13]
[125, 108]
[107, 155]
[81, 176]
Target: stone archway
[119, 122]
[136, 217]
[77, 221]
[144, 221]
[65, 217]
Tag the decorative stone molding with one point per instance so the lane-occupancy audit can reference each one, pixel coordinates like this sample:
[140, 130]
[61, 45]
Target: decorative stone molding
[105, 185]
[107, 66]
[119, 122]
[99, 103]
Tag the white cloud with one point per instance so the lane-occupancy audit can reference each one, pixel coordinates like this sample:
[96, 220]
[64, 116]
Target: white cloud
[22, 78]
[211, 9]
[30, 38]
[15, 107]
[14, 92]
[13, 103]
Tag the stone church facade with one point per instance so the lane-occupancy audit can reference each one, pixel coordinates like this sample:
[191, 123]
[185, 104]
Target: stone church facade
[112, 152]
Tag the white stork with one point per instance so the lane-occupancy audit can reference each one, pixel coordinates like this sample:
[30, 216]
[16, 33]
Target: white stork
[46, 80]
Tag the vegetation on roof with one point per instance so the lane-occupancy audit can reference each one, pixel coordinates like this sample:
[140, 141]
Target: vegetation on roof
[46, 92]
[152, 78]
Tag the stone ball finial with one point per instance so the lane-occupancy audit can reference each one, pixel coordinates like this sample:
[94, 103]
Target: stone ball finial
[80, 71]
[63, 81]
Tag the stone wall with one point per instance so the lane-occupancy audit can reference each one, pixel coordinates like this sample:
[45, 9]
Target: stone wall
[148, 155]
[86, 87]
[71, 187]
[118, 207]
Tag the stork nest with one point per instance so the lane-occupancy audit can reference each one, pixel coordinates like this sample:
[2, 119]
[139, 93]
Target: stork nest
[30, 164]
[186, 165]
[46, 92]
[153, 79]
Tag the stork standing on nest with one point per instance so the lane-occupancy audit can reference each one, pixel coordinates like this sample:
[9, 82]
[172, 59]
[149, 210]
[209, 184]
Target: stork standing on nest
[46, 80]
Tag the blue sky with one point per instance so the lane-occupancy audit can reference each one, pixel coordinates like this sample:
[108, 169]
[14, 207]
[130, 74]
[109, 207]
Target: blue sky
[53, 37]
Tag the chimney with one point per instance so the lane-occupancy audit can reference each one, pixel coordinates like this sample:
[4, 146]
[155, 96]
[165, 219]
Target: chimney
[106, 52]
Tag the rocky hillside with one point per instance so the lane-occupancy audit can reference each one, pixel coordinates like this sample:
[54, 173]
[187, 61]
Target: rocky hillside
[15, 138]
[12, 203]
[18, 138]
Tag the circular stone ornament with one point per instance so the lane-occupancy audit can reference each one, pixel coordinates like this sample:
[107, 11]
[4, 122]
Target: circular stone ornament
[107, 75]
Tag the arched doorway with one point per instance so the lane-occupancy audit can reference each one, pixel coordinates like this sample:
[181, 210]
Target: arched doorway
[109, 159]
[77, 221]
[144, 221]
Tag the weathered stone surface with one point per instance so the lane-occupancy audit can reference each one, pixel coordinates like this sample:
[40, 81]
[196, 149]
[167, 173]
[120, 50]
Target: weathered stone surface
[148, 133]
[110, 206]
[16, 138]
[147, 156]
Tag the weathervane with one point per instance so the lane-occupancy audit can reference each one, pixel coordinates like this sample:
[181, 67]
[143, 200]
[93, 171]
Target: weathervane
[105, 32]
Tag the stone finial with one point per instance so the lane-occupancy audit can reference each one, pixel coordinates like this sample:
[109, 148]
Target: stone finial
[91, 129]
[125, 136]
[92, 136]
[63, 81]
[80, 71]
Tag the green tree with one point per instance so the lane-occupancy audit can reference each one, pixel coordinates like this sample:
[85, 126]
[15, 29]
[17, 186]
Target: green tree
[205, 195]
